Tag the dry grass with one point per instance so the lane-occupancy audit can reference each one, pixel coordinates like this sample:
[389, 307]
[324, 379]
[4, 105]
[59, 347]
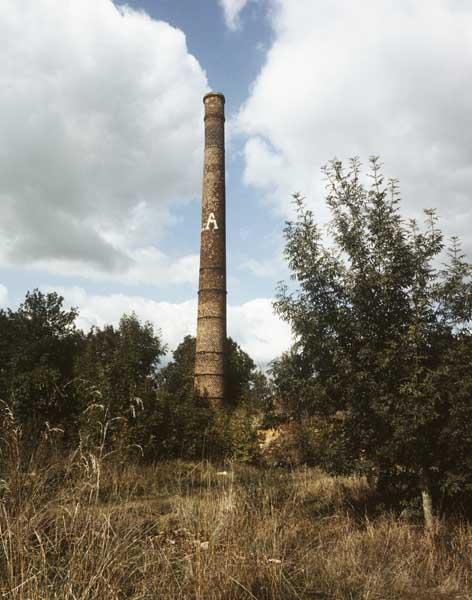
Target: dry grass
[181, 530]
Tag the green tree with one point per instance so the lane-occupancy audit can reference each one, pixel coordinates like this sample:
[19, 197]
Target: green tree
[38, 344]
[374, 321]
[186, 426]
[178, 376]
[178, 423]
[240, 370]
[115, 374]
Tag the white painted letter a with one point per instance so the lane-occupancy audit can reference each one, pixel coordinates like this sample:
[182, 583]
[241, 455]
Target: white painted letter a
[211, 221]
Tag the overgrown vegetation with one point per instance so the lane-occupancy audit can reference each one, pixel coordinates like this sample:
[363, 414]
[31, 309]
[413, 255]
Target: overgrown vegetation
[330, 462]
[54, 376]
[90, 527]
[383, 341]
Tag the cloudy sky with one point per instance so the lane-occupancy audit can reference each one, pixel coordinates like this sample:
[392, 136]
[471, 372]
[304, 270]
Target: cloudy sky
[101, 140]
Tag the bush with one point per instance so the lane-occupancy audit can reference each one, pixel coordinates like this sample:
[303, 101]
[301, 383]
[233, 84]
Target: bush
[382, 338]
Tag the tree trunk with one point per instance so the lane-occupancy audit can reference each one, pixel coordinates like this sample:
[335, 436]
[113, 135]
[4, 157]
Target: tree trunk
[427, 500]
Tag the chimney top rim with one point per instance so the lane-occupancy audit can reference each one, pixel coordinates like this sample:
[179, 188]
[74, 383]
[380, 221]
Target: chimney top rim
[210, 94]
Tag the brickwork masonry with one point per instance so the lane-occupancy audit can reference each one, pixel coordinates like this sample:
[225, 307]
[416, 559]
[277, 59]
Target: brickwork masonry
[211, 323]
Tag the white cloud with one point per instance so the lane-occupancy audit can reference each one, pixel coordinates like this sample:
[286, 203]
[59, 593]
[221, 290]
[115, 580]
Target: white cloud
[100, 134]
[174, 320]
[147, 265]
[3, 296]
[270, 267]
[231, 11]
[261, 333]
[252, 324]
[360, 78]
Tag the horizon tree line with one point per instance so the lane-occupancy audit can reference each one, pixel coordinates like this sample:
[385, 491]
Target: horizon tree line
[378, 381]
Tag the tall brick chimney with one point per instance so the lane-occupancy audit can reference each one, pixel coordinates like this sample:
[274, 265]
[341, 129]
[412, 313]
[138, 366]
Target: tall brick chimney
[211, 324]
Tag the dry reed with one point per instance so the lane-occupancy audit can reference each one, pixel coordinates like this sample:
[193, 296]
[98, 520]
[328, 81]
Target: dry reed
[86, 530]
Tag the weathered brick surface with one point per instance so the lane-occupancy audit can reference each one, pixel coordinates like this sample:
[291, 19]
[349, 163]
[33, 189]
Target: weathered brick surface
[211, 325]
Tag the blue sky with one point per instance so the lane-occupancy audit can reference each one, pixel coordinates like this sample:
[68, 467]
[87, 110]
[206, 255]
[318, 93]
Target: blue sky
[101, 140]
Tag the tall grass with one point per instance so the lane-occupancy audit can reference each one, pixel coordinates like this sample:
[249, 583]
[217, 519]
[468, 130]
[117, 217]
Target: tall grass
[188, 531]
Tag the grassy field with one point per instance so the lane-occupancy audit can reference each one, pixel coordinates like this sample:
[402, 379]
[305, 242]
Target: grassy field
[179, 530]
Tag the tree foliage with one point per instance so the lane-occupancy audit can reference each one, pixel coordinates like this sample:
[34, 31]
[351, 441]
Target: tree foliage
[187, 426]
[116, 372]
[38, 345]
[382, 334]
[107, 387]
